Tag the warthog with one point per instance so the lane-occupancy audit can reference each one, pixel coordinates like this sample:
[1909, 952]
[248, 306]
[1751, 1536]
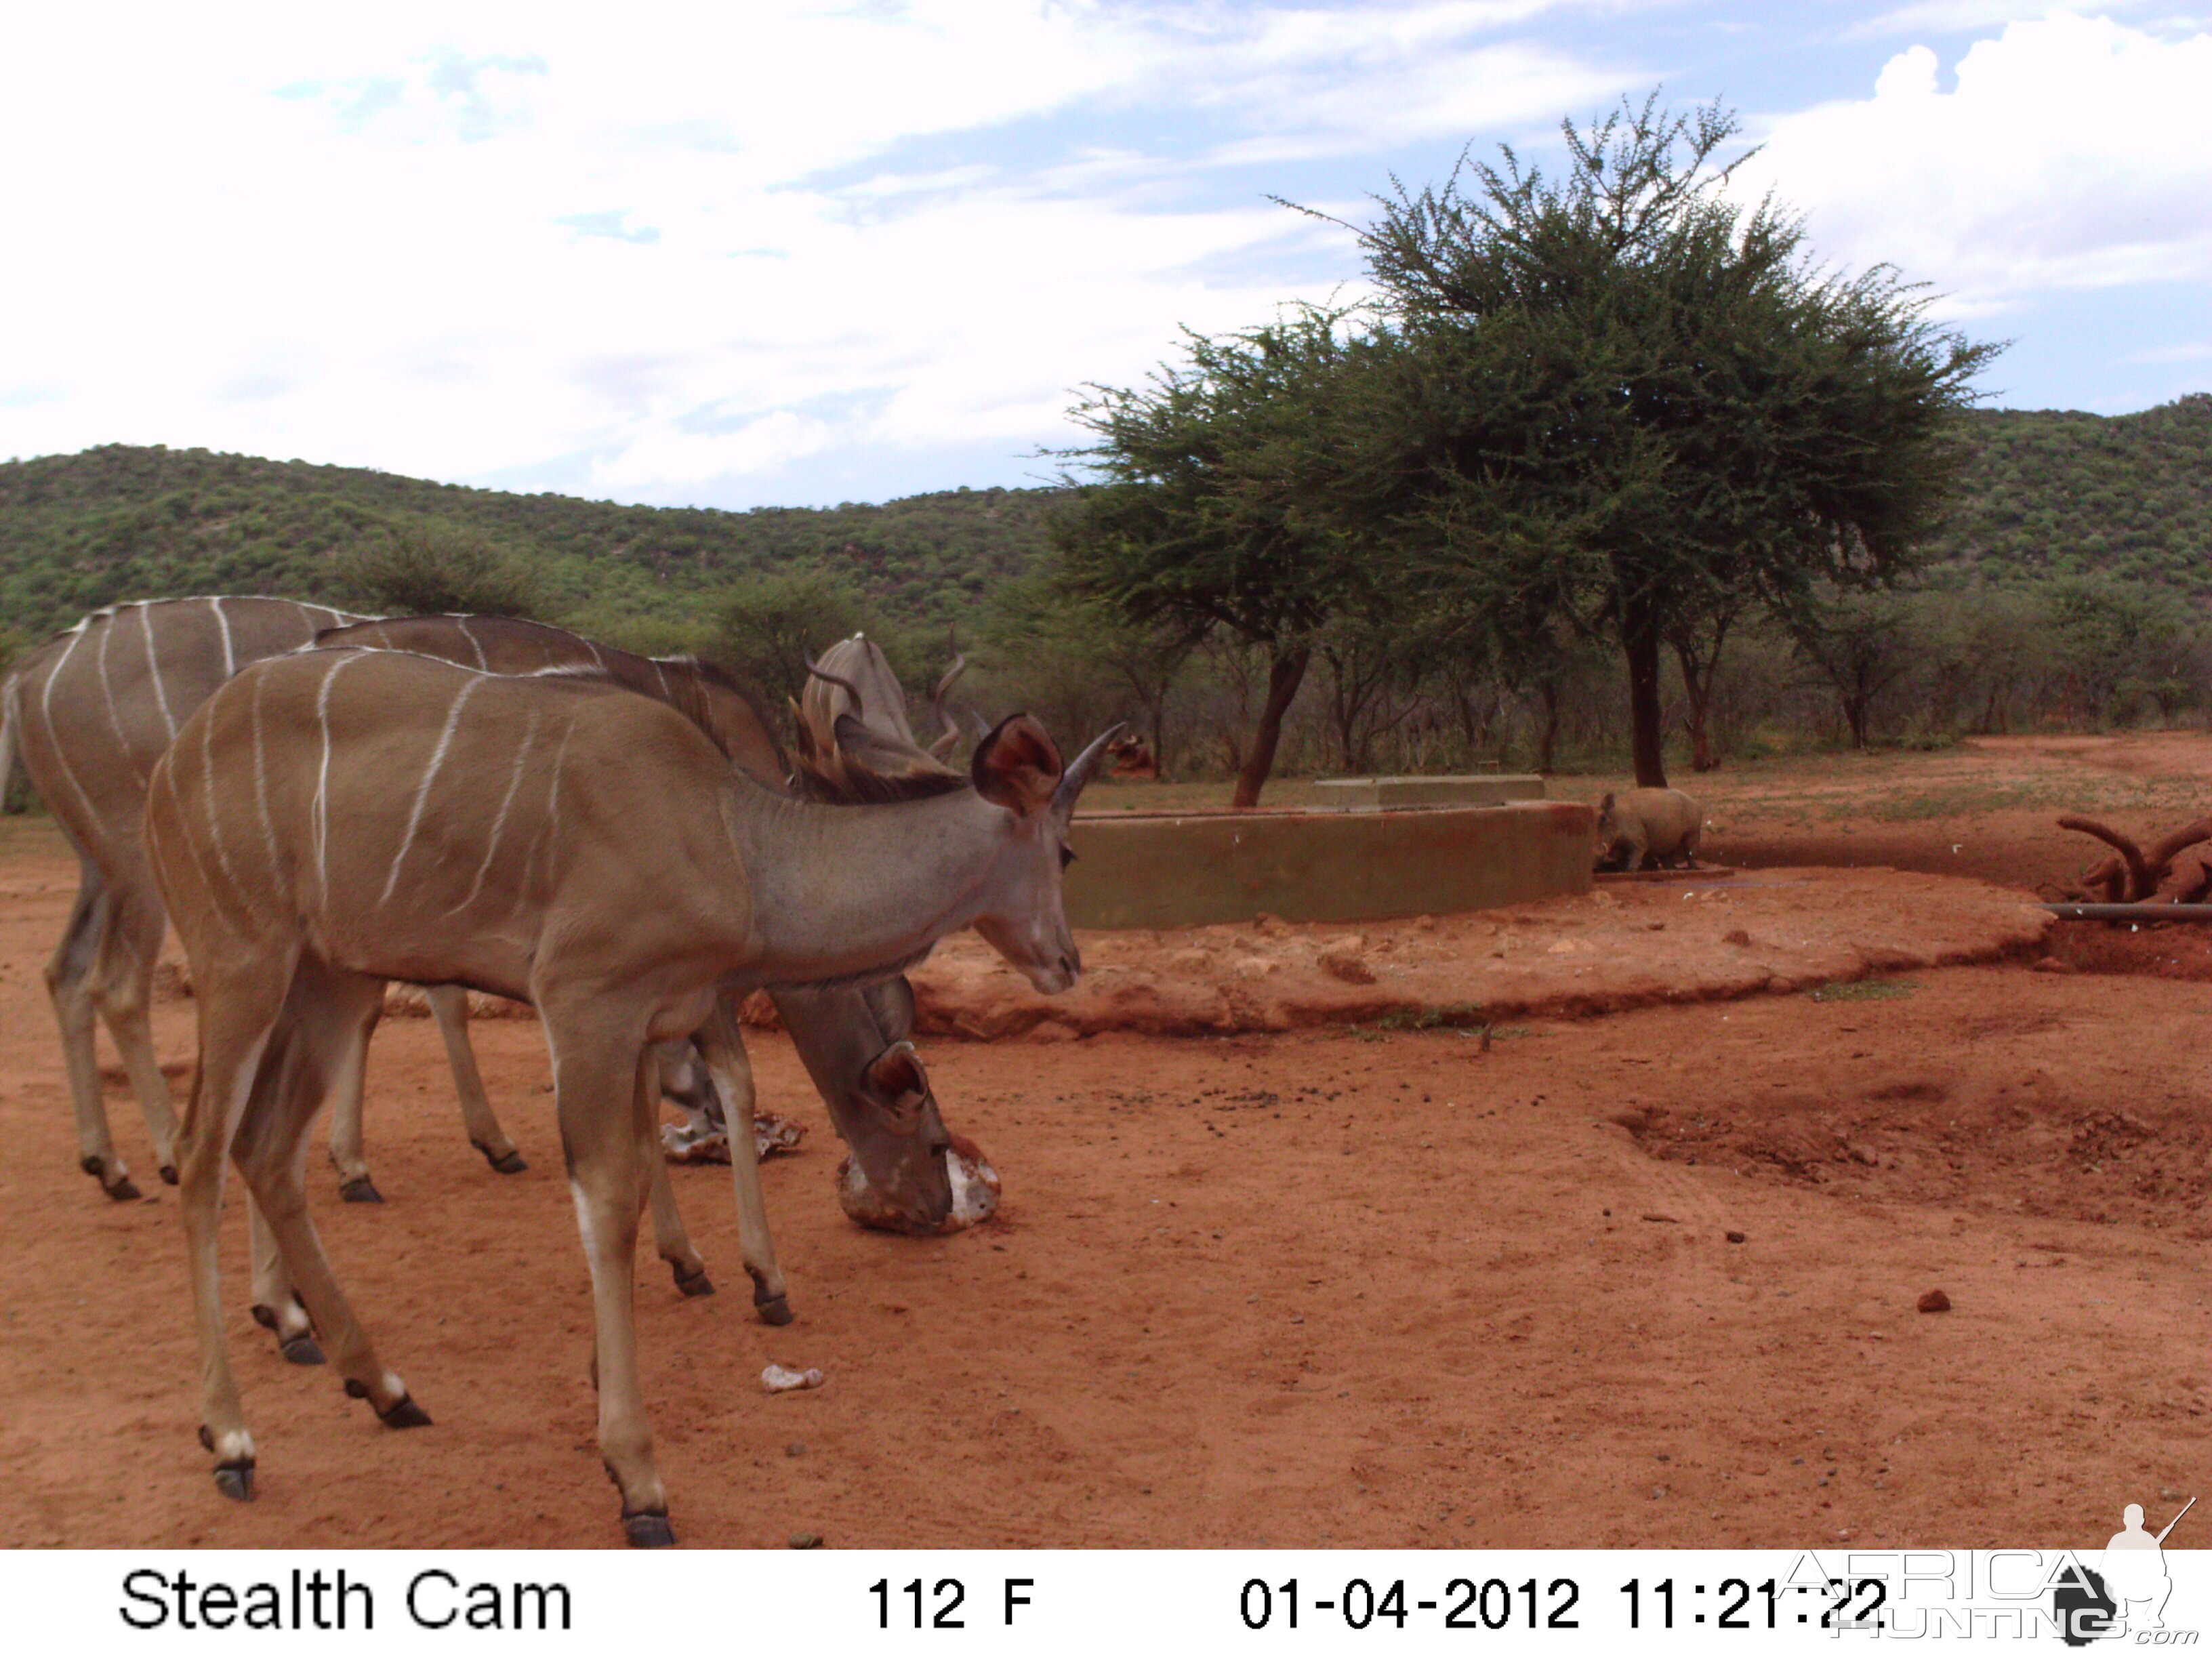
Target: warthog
[1648, 829]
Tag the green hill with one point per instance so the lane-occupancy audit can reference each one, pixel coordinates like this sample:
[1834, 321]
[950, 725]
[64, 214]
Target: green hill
[2049, 494]
[77, 532]
[2054, 493]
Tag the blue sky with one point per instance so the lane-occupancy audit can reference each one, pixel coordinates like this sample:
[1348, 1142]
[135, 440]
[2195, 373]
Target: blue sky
[787, 253]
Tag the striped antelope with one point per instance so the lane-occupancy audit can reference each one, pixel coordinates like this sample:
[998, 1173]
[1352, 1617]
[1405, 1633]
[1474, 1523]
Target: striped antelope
[303, 869]
[94, 709]
[91, 711]
[880, 1104]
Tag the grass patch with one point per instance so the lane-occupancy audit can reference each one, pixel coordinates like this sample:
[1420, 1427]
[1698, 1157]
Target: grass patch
[1864, 990]
[1451, 1014]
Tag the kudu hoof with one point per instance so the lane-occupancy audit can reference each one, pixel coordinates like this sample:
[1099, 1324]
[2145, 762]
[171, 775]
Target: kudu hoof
[235, 1480]
[402, 1413]
[362, 1191]
[772, 1308]
[168, 1175]
[507, 1162]
[122, 1189]
[649, 1530]
[300, 1350]
[696, 1284]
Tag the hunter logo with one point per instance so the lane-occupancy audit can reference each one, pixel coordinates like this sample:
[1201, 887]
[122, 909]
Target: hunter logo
[2128, 1597]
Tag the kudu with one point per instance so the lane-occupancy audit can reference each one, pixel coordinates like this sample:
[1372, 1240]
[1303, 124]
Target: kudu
[886, 1114]
[330, 820]
[91, 711]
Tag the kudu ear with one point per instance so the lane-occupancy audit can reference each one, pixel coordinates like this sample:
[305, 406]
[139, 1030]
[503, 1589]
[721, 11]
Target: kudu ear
[1606, 806]
[1016, 766]
[892, 1004]
[896, 1072]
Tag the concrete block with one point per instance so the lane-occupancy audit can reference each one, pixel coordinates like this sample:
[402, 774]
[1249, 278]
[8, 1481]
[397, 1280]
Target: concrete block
[1179, 871]
[1374, 795]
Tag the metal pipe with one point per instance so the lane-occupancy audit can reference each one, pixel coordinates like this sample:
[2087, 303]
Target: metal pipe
[2131, 912]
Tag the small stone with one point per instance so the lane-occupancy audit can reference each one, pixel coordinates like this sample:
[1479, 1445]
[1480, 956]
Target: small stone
[796, 1448]
[1735, 936]
[1735, 1238]
[2053, 965]
[806, 1541]
[1933, 1301]
[1634, 1119]
[1344, 961]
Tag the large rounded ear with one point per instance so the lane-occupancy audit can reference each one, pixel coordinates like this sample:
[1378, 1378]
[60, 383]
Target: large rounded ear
[1605, 805]
[1016, 767]
[896, 1072]
[892, 1004]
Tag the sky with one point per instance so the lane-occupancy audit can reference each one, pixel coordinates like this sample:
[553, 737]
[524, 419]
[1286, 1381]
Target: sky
[784, 253]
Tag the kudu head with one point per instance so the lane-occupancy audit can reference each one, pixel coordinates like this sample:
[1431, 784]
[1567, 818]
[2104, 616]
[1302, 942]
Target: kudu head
[1018, 767]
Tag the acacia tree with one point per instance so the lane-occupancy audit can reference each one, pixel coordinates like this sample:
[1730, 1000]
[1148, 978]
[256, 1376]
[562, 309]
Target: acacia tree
[1209, 509]
[1623, 393]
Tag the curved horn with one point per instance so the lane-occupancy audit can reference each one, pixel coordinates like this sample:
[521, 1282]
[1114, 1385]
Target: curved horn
[942, 746]
[1072, 780]
[820, 672]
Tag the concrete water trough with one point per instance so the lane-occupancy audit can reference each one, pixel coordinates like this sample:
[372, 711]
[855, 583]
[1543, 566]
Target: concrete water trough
[1182, 870]
[1375, 795]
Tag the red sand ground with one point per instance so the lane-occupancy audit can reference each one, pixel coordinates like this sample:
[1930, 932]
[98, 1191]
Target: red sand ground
[1319, 1286]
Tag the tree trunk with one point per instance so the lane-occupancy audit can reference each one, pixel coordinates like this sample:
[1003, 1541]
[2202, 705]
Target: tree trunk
[1639, 640]
[1285, 673]
[1547, 735]
[1700, 669]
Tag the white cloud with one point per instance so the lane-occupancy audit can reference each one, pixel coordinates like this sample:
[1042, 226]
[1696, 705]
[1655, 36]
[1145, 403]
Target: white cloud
[2069, 153]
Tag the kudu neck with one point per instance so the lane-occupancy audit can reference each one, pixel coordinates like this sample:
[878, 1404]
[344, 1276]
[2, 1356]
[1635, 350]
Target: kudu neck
[844, 891]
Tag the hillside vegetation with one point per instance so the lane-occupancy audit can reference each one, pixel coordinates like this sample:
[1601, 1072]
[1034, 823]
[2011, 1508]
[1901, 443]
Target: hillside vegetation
[2070, 589]
[2055, 493]
[78, 531]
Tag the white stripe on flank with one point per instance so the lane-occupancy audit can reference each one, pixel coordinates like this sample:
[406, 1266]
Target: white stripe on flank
[339, 661]
[663, 672]
[499, 823]
[482, 662]
[115, 714]
[208, 788]
[596, 657]
[154, 670]
[261, 792]
[53, 737]
[229, 657]
[423, 789]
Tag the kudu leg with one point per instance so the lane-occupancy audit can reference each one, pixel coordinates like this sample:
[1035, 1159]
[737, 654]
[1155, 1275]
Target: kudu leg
[123, 989]
[236, 1026]
[723, 1047]
[326, 1025]
[276, 1307]
[349, 1092]
[69, 973]
[595, 1083]
[669, 1237]
[450, 1005]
